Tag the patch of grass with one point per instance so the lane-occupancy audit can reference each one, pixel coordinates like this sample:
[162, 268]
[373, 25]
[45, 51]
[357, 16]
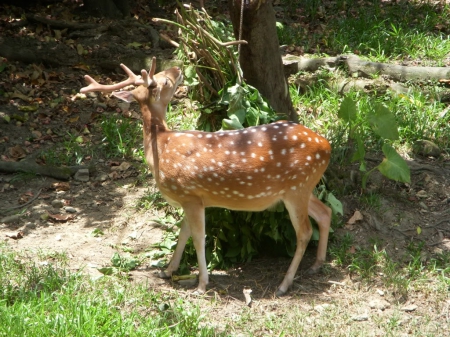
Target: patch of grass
[339, 249]
[122, 137]
[23, 177]
[39, 299]
[72, 151]
[182, 116]
[381, 30]
[371, 200]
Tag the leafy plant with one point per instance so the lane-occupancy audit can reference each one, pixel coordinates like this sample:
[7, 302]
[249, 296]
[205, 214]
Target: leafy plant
[120, 264]
[383, 123]
[122, 137]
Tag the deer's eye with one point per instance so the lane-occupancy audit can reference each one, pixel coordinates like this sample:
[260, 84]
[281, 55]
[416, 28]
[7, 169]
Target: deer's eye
[167, 81]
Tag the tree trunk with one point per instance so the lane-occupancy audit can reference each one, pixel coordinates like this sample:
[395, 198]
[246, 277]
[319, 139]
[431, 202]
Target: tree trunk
[260, 59]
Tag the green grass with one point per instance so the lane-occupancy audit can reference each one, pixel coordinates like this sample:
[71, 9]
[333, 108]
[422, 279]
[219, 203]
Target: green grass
[418, 114]
[43, 298]
[400, 274]
[72, 151]
[379, 30]
[122, 137]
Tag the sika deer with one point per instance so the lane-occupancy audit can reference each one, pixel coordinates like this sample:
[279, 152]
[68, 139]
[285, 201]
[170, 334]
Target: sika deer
[249, 169]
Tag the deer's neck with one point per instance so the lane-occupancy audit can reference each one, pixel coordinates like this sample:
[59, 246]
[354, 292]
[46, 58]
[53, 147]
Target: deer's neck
[154, 122]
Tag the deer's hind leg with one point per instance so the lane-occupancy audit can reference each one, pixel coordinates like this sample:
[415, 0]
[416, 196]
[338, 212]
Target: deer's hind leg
[322, 214]
[297, 207]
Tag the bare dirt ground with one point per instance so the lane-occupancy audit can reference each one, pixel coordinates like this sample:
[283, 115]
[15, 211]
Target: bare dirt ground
[45, 214]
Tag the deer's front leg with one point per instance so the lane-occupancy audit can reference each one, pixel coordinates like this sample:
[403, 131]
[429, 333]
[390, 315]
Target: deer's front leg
[195, 218]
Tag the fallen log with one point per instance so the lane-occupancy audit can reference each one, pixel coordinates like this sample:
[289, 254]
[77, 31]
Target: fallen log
[30, 166]
[362, 68]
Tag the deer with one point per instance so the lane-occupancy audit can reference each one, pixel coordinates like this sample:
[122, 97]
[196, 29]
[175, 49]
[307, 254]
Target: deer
[250, 169]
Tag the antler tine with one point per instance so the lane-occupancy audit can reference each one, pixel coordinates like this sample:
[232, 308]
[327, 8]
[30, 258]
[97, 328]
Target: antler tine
[147, 77]
[95, 86]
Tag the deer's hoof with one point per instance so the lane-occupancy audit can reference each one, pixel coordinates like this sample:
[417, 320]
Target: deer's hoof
[198, 292]
[164, 275]
[280, 293]
[314, 269]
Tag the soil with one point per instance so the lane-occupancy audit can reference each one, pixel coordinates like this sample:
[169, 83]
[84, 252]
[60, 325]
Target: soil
[45, 214]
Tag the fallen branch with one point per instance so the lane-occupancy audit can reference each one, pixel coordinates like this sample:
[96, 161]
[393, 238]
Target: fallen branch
[356, 65]
[61, 23]
[23, 205]
[30, 166]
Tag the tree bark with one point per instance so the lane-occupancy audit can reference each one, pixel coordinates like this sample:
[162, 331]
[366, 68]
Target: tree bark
[260, 59]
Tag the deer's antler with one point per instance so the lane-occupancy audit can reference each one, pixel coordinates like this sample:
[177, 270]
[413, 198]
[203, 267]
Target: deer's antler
[147, 77]
[95, 86]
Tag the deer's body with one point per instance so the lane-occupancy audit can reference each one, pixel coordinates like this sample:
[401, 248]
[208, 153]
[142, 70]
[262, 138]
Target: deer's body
[208, 166]
[249, 169]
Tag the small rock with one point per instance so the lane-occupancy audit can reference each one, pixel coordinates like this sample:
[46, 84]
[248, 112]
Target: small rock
[361, 318]
[321, 307]
[422, 204]
[426, 148]
[380, 292]
[188, 282]
[58, 238]
[57, 203]
[11, 218]
[36, 134]
[30, 225]
[409, 308]
[82, 175]
[379, 304]
[422, 194]
[70, 209]
[102, 177]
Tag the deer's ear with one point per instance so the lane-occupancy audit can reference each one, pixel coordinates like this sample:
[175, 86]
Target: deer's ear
[126, 96]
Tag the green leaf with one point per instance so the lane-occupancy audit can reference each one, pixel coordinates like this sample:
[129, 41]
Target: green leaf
[190, 76]
[232, 123]
[383, 122]
[233, 252]
[159, 263]
[97, 232]
[189, 72]
[394, 166]
[360, 150]
[347, 110]
[315, 235]
[134, 45]
[107, 270]
[252, 116]
[335, 204]
[116, 260]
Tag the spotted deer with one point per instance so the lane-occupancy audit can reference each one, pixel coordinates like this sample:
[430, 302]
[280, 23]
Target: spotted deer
[249, 169]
